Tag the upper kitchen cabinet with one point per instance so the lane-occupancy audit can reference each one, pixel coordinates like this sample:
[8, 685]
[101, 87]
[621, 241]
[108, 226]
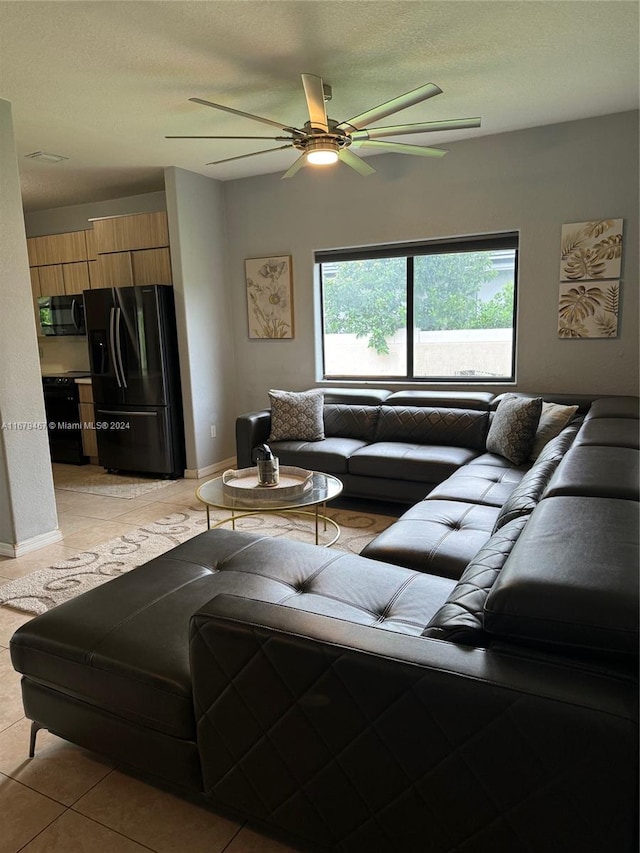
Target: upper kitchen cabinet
[127, 233]
[57, 249]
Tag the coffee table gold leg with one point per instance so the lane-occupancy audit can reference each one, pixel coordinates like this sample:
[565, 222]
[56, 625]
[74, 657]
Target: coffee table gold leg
[316, 509]
[233, 519]
[208, 518]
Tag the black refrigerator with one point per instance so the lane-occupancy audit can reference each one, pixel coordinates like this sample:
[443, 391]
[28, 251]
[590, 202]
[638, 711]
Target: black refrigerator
[133, 354]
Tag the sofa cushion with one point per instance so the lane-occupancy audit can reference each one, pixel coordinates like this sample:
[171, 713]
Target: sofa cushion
[330, 455]
[398, 460]
[461, 617]
[450, 427]
[553, 419]
[596, 471]
[296, 415]
[351, 421]
[480, 484]
[448, 399]
[610, 432]
[123, 645]
[438, 537]
[615, 407]
[526, 495]
[568, 585]
[513, 427]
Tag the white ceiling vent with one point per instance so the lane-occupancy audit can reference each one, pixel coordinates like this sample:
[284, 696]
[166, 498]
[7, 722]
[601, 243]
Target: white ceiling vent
[44, 155]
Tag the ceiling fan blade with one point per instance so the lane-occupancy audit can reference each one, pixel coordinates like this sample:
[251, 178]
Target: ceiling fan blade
[424, 127]
[429, 90]
[314, 93]
[401, 148]
[247, 115]
[357, 163]
[253, 154]
[277, 138]
[298, 164]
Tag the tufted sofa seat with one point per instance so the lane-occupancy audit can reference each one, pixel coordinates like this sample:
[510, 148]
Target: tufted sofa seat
[482, 702]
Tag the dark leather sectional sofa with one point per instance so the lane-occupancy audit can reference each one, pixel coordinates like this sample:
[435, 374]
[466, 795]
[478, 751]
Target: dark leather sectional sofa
[470, 685]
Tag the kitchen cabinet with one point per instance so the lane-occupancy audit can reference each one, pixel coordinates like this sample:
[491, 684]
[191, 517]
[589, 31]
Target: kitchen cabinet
[151, 266]
[57, 248]
[75, 277]
[113, 270]
[51, 280]
[90, 240]
[127, 233]
[87, 416]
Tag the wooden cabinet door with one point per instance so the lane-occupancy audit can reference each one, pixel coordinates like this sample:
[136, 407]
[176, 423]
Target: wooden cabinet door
[61, 248]
[35, 282]
[32, 251]
[114, 270]
[51, 280]
[76, 277]
[90, 240]
[151, 266]
[122, 233]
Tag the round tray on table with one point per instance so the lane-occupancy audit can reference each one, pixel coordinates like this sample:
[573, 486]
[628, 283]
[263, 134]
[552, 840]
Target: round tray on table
[243, 483]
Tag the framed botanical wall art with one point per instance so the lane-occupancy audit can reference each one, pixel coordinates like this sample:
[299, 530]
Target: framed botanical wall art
[591, 250]
[588, 310]
[269, 297]
[590, 287]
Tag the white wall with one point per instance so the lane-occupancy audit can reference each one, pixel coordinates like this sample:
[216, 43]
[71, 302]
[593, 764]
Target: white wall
[532, 181]
[195, 207]
[27, 504]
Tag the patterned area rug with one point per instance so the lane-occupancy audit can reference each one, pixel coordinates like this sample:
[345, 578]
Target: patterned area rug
[46, 588]
[97, 482]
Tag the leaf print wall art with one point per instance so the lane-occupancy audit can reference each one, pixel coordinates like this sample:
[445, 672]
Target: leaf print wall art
[590, 258]
[588, 310]
[591, 250]
[269, 298]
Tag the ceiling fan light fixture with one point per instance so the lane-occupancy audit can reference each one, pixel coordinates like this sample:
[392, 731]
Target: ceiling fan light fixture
[322, 152]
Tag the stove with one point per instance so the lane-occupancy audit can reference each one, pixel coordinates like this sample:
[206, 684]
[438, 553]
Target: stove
[61, 403]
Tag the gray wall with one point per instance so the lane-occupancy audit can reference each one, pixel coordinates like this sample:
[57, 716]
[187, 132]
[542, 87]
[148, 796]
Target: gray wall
[27, 505]
[195, 207]
[76, 217]
[532, 180]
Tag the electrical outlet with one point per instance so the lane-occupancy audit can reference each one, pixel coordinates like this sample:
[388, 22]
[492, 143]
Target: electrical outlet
[213, 431]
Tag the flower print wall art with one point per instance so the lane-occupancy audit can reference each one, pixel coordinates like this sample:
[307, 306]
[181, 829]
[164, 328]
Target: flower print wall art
[269, 298]
[590, 266]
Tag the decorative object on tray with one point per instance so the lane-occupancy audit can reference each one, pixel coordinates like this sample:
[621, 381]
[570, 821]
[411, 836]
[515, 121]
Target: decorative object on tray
[269, 297]
[267, 464]
[588, 303]
[245, 483]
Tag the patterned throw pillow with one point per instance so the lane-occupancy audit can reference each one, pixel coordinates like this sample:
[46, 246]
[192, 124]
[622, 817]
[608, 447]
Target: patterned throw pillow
[514, 427]
[553, 420]
[296, 415]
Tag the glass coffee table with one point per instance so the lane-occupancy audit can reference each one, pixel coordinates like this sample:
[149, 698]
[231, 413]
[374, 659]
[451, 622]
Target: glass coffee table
[324, 487]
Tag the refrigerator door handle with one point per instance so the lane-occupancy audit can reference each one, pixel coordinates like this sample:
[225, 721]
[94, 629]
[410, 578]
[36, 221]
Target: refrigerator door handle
[118, 325]
[112, 344]
[130, 412]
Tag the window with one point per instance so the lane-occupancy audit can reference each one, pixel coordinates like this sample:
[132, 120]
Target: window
[442, 311]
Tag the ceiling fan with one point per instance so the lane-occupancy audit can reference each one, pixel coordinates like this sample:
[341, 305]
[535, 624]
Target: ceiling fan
[322, 140]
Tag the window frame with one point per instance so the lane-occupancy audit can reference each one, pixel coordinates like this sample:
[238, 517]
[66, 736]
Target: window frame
[509, 240]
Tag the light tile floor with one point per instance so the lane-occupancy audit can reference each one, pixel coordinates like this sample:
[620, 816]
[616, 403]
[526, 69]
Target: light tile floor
[69, 800]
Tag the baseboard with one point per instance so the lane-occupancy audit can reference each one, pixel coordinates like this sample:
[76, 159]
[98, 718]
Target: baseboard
[216, 468]
[33, 544]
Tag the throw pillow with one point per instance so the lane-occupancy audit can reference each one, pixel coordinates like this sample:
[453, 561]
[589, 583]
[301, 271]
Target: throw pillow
[514, 427]
[553, 420]
[296, 415]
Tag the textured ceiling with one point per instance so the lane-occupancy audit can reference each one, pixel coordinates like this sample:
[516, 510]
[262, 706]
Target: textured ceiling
[103, 82]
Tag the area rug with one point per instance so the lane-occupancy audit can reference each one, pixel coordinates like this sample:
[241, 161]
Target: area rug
[108, 485]
[46, 588]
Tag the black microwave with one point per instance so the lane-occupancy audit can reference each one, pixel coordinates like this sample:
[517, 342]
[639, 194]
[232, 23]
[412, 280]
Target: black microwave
[62, 315]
